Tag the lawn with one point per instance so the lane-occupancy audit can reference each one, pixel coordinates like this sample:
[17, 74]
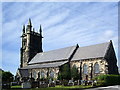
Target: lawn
[80, 86]
[15, 86]
[60, 87]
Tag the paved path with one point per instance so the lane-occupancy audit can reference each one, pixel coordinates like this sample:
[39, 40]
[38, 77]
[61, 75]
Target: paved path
[116, 87]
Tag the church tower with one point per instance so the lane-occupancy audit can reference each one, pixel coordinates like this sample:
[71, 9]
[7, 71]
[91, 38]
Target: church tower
[31, 44]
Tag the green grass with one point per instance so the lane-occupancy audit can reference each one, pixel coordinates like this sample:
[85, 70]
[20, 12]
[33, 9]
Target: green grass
[60, 87]
[16, 87]
[80, 86]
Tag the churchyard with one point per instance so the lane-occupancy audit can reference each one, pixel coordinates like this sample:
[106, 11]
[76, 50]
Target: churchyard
[60, 87]
[63, 82]
[102, 80]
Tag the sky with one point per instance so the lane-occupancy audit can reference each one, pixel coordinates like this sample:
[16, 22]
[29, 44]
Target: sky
[63, 23]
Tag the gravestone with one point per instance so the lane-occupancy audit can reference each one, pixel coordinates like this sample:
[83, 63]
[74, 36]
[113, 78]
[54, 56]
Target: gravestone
[26, 85]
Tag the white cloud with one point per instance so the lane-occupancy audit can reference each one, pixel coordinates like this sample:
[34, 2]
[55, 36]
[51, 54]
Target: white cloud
[108, 33]
[55, 19]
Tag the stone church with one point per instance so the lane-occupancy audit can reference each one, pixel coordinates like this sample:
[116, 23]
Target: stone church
[90, 60]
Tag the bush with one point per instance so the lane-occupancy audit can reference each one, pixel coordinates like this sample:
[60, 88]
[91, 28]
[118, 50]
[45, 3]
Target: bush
[74, 73]
[64, 72]
[65, 82]
[59, 76]
[105, 80]
[7, 77]
[42, 79]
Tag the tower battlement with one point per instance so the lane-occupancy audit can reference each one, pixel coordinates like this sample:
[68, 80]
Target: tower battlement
[31, 43]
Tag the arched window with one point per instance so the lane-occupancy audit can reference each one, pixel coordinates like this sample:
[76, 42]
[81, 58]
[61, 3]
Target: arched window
[42, 74]
[52, 74]
[96, 68]
[85, 71]
[34, 74]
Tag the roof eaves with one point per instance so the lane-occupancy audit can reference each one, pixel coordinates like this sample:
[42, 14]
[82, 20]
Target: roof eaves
[87, 58]
[35, 67]
[48, 61]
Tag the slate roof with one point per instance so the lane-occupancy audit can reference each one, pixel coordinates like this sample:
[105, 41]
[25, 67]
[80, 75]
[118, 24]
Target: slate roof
[93, 51]
[59, 57]
[45, 65]
[54, 55]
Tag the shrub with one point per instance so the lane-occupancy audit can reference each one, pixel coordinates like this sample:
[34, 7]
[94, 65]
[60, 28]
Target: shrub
[74, 73]
[64, 72]
[65, 82]
[7, 77]
[105, 80]
[42, 78]
[59, 76]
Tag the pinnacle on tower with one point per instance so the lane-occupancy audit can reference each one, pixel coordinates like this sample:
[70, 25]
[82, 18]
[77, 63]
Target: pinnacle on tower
[40, 30]
[29, 23]
[29, 26]
[23, 28]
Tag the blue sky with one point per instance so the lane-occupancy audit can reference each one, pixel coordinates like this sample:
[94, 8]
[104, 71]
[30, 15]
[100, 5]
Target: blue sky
[64, 24]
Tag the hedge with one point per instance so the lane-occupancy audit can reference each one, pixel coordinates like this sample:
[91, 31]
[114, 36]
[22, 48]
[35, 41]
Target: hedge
[105, 80]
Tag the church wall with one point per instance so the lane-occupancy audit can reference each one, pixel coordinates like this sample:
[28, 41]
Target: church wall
[91, 67]
[112, 60]
[46, 71]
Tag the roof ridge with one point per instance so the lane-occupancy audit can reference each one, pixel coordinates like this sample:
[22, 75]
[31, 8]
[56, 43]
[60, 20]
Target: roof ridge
[57, 49]
[95, 44]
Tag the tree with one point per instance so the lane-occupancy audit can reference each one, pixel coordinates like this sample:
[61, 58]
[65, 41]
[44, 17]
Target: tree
[7, 77]
[64, 72]
[74, 73]
[0, 78]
